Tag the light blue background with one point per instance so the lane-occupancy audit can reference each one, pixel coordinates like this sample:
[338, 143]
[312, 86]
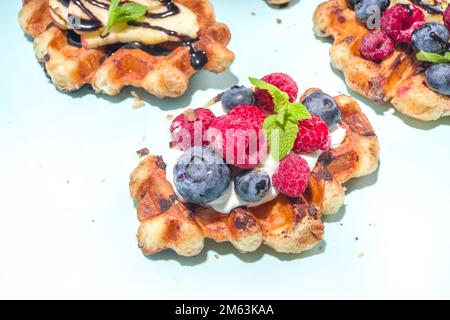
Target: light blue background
[67, 223]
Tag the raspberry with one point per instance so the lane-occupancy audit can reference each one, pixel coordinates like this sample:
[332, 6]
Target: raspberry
[312, 135]
[400, 21]
[251, 113]
[187, 129]
[236, 139]
[447, 18]
[281, 81]
[292, 176]
[376, 46]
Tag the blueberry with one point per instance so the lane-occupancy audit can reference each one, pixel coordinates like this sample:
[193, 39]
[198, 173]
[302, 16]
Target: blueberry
[252, 185]
[201, 175]
[323, 106]
[364, 10]
[237, 96]
[438, 78]
[432, 37]
[352, 3]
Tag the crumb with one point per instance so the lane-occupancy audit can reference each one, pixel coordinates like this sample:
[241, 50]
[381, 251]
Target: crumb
[93, 220]
[137, 101]
[216, 256]
[279, 21]
[143, 152]
[360, 255]
[341, 224]
[253, 13]
[103, 180]
[356, 238]
[213, 100]
[68, 181]
[169, 117]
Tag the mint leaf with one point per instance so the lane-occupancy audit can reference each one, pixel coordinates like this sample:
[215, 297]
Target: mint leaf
[281, 128]
[297, 112]
[123, 13]
[280, 98]
[281, 136]
[433, 57]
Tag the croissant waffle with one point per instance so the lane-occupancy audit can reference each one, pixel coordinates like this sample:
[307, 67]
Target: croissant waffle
[70, 67]
[285, 224]
[399, 78]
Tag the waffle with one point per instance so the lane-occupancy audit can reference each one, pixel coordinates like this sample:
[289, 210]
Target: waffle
[285, 224]
[70, 67]
[280, 3]
[399, 79]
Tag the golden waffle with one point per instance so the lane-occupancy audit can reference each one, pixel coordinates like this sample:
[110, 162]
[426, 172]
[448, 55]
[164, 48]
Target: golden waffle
[285, 224]
[71, 67]
[399, 78]
[279, 3]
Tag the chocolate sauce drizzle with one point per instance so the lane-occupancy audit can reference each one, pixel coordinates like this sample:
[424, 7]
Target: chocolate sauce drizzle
[172, 9]
[74, 39]
[152, 50]
[433, 9]
[198, 58]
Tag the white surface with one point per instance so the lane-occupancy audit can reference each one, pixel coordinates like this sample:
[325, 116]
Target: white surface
[67, 223]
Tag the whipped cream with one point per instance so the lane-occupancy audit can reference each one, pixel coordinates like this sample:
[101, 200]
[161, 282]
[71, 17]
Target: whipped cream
[229, 200]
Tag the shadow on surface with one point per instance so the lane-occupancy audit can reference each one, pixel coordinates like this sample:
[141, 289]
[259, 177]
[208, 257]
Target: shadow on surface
[291, 4]
[352, 185]
[226, 248]
[201, 81]
[362, 182]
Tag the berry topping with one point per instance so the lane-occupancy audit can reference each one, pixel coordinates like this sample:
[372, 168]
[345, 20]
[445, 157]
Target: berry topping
[352, 3]
[200, 175]
[281, 81]
[400, 21]
[323, 106]
[237, 140]
[447, 17]
[251, 113]
[432, 37]
[364, 9]
[376, 46]
[187, 129]
[312, 135]
[438, 77]
[252, 185]
[292, 176]
[237, 96]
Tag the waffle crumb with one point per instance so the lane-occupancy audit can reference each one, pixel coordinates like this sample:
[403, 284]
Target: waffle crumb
[143, 152]
[137, 101]
[360, 255]
[253, 13]
[216, 256]
[279, 21]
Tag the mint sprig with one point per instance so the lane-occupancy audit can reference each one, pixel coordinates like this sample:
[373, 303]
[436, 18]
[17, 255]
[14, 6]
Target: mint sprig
[129, 11]
[281, 128]
[433, 57]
